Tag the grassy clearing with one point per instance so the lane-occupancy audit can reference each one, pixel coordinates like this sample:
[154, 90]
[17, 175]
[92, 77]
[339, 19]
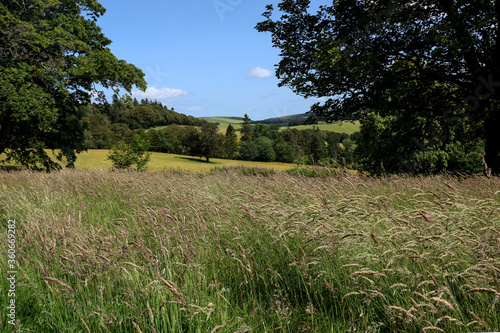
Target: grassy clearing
[162, 162]
[95, 158]
[101, 251]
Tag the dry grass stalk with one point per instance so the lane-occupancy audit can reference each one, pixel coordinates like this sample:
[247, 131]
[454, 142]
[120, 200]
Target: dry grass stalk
[171, 286]
[426, 218]
[433, 279]
[399, 285]
[352, 293]
[451, 319]
[42, 268]
[137, 328]
[56, 281]
[353, 234]
[483, 290]
[480, 321]
[149, 285]
[406, 312]
[216, 328]
[85, 324]
[375, 239]
[433, 328]
[495, 279]
[373, 273]
[443, 302]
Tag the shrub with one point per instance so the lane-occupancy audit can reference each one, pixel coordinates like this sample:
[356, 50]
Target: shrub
[124, 156]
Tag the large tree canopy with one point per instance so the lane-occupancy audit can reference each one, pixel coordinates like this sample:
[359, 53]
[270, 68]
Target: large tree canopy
[52, 57]
[433, 61]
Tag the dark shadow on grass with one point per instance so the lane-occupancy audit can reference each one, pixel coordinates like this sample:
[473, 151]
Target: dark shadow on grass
[198, 160]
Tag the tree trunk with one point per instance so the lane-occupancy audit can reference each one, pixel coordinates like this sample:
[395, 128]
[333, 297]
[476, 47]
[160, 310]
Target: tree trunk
[492, 126]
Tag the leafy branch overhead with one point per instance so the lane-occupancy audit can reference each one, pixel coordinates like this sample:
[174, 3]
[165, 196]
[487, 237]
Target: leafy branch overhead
[52, 56]
[431, 59]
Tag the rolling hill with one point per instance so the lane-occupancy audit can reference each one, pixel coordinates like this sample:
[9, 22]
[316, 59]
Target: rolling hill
[348, 126]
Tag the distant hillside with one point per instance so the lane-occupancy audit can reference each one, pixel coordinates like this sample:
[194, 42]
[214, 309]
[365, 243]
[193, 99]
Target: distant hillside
[290, 120]
[296, 121]
[223, 120]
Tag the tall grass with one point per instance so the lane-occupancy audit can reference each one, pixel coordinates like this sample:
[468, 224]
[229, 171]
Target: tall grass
[102, 251]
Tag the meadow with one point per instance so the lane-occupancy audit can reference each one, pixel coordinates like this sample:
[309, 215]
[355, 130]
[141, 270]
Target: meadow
[106, 251]
[97, 158]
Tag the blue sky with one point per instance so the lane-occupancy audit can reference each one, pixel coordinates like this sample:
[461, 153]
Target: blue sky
[202, 57]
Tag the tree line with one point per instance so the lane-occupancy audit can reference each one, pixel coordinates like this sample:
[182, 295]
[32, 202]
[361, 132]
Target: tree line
[106, 124]
[110, 125]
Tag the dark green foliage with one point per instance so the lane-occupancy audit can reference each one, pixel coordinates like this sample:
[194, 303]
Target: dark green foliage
[124, 156]
[265, 149]
[231, 142]
[249, 151]
[284, 152]
[210, 143]
[428, 64]
[99, 134]
[384, 141]
[246, 131]
[52, 54]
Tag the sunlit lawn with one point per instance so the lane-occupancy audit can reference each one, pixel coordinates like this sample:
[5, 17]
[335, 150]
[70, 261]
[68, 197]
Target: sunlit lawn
[96, 158]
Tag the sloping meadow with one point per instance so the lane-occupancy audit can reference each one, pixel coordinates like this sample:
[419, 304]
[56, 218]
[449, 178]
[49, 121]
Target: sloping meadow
[101, 251]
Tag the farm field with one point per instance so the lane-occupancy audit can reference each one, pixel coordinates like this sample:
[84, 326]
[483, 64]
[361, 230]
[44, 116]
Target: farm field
[103, 251]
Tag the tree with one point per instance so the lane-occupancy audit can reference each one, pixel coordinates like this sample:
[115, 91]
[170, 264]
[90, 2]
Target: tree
[249, 151]
[284, 152]
[246, 131]
[379, 56]
[52, 55]
[210, 141]
[231, 142]
[265, 149]
[124, 156]
[99, 134]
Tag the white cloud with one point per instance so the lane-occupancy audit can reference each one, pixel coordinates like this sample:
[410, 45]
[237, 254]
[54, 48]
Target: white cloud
[259, 73]
[266, 94]
[153, 93]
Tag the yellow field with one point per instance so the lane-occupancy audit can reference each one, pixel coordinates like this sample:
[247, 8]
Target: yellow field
[96, 158]
[160, 162]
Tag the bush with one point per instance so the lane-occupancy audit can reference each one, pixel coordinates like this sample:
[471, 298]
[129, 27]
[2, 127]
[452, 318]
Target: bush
[124, 156]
